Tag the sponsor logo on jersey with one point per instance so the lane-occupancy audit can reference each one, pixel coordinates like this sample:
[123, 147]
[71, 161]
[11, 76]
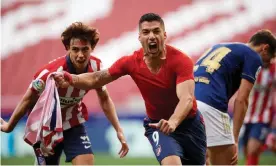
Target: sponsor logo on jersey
[158, 150]
[38, 85]
[70, 100]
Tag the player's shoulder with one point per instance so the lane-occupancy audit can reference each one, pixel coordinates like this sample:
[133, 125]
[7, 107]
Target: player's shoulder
[243, 50]
[54, 64]
[134, 57]
[272, 66]
[176, 54]
[234, 46]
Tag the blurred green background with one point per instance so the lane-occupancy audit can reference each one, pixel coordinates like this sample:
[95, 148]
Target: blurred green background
[102, 159]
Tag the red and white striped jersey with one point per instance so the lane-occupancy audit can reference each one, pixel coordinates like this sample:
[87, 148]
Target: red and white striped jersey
[74, 111]
[260, 108]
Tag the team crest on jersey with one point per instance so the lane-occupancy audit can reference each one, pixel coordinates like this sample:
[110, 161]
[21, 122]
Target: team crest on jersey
[258, 72]
[158, 150]
[38, 85]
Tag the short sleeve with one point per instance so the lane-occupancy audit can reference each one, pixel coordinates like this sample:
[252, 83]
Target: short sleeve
[184, 68]
[39, 80]
[121, 67]
[252, 67]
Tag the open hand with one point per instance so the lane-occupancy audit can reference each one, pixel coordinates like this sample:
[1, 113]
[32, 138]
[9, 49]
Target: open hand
[235, 158]
[271, 142]
[5, 126]
[124, 150]
[45, 151]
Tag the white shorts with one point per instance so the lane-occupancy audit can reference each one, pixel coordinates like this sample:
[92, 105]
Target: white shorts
[217, 124]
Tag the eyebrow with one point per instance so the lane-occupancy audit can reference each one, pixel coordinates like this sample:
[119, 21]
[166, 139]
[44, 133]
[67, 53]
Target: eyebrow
[79, 47]
[146, 29]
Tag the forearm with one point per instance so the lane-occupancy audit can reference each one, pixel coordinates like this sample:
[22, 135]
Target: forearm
[93, 80]
[110, 112]
[84, 81]
[240, 108]
[21, 109]
[183, 108]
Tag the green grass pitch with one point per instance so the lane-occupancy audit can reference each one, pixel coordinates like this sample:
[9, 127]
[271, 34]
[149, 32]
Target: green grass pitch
[102, 159]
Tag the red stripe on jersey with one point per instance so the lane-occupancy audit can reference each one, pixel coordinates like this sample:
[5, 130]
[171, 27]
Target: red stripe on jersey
[263, 108]
[75, 93]
[62, 91]
[255, 97]
[74, 120]
[84, 111]
[63, 114]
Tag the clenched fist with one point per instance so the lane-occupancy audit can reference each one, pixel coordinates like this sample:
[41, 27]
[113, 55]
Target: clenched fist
[164, 126]
[63, 79]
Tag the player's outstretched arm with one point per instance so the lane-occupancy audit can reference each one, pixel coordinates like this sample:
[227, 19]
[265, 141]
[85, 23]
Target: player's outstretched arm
[240, 106]
[84, 81]
[110, 112]
[26, 103]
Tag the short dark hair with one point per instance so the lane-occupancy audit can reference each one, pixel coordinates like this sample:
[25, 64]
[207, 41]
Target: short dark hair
[264, 36]
[80, 31]
[151, 17]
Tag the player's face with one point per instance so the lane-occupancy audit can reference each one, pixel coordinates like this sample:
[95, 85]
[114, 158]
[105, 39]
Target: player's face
[152, 37]
[266, 57]
[79, 52]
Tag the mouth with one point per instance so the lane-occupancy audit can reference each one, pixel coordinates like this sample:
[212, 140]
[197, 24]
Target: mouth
[153, 48]
[81, 61]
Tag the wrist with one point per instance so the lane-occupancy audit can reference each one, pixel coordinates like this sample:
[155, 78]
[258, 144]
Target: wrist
[74, 79]
[174, 122]
[68, 77]
[10, 127]
[119, 130]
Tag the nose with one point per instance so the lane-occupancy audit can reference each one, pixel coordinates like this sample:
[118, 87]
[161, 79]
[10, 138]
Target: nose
[151, 35]
[80, 54]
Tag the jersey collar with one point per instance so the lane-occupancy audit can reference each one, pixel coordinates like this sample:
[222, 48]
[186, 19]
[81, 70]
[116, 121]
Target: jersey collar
[71, 67]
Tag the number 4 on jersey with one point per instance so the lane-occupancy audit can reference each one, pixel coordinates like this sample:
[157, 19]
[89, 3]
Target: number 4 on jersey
[212, 60]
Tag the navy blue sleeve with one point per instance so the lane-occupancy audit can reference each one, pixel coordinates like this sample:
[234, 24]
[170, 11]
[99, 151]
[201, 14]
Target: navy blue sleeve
[251, 67]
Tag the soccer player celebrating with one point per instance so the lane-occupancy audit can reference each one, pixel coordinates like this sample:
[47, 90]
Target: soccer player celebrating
[219, 73]
[164, 76]
[79, 40]
[259, 115]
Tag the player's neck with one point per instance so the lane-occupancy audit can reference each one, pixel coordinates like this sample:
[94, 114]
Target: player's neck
[154, 63]
[254, 48]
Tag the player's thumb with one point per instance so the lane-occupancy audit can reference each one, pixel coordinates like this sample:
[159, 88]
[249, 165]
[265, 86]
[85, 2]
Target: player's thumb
[153, 125]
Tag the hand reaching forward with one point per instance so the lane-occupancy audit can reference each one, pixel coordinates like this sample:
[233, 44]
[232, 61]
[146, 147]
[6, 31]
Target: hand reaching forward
[63, 79]
[164, 126]
[5, 127]
[124, 150]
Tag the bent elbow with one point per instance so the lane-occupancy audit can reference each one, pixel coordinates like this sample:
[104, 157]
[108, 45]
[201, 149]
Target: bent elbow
[241, 101]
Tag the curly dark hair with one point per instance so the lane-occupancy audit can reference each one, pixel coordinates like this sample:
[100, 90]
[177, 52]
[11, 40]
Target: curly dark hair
[80, 31]
[264, 36]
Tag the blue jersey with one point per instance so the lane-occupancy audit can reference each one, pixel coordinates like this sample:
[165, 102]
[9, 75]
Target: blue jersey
[219, 71]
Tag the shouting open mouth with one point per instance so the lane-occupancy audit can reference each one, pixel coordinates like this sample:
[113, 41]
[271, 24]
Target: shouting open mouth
[153, 48]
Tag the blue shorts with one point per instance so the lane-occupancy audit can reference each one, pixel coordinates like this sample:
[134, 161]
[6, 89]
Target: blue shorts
[258, 131]
[76, 142]
[188, 141]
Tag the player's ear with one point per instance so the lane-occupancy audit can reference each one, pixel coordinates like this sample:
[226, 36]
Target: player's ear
[139, 37]
[265, 47]
[165, 35]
